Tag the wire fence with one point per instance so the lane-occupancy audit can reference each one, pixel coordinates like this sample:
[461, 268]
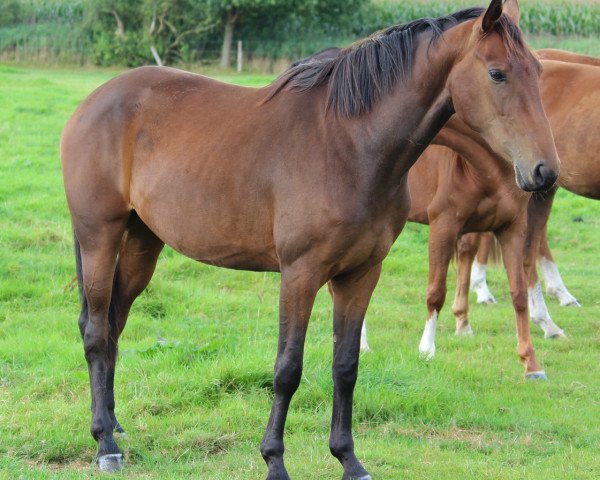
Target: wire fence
[59, 44]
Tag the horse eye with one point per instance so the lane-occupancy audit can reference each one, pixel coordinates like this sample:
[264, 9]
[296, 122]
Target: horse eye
[497, 75]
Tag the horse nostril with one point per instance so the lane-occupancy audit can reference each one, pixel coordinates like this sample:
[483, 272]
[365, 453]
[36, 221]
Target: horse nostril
[540, 174]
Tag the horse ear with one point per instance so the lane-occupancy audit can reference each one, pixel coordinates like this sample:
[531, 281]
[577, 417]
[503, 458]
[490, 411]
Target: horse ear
[491, 15]
[512, 11]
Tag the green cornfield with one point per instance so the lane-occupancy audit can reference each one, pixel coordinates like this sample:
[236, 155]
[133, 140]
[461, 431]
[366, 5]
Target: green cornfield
[555, 17]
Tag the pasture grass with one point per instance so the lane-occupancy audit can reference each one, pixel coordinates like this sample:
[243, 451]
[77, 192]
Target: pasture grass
[194, 379]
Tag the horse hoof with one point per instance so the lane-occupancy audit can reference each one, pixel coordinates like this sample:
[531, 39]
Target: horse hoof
[113, 462]
[426, 355]
[464, 332]
[556, 336]
[571, 303]
[364, 477]
[541, 375]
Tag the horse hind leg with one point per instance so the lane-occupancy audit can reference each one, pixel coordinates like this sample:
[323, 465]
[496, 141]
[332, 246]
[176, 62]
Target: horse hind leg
[115, 261]
[96, 247]
[555, 286]
[478, 282]
[466, 251]
[138, 255]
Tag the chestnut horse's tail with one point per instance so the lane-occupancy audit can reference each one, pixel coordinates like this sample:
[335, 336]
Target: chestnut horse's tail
[495, 255]
[113, 309]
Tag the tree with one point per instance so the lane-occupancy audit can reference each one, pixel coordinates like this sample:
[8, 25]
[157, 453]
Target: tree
[233, 12]
[277, 19]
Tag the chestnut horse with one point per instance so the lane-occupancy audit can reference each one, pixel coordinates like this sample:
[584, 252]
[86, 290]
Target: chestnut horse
[307, 176]
[459, 188]
[475, 189]
[555, 286]
[581, 175]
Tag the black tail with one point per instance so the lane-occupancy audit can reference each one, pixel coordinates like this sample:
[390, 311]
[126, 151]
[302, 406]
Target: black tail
[113, 309]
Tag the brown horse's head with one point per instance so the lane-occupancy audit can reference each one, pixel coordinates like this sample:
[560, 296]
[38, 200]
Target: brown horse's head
[494, 89]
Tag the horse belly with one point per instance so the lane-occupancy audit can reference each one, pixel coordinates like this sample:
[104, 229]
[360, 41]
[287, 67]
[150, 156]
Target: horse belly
[209, 222]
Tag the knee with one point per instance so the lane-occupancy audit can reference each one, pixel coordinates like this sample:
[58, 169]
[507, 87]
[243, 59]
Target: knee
[519, 300]
[466, 247]
[288, 373]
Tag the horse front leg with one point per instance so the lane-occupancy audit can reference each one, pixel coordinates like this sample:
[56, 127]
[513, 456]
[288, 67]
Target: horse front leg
[351, 295]
[538, 211]
[512, 242]
[442, 243]
[298, 290]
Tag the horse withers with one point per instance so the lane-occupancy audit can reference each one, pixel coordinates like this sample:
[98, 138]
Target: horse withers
[306, 176]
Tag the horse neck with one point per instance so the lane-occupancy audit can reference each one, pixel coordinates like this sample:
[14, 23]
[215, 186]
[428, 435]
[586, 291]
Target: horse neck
[403, 123]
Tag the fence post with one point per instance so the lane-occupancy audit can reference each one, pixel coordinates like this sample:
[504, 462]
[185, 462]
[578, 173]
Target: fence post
[239, 56]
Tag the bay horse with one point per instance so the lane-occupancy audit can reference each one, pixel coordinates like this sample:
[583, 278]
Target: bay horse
[581, 174]
[307, 176]
[488, 196]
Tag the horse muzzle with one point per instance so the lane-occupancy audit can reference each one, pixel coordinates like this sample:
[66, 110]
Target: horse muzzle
[541, 178]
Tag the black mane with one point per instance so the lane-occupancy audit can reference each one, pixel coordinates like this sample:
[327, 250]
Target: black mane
[368, 69]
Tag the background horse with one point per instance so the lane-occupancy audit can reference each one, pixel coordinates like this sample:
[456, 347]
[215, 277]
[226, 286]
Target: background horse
[469, 191]
[581, 162]
[487, 195]
[457, 194]
[574, 116]
[306, 177]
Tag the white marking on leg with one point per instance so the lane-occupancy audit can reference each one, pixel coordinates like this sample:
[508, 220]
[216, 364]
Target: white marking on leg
[555, 285]
[427, 344]
[364, 345]
[539, 312]
[479, 283]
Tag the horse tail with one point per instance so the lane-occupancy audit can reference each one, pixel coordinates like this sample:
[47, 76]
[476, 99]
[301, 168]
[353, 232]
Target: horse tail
[495, 256]
[113, 309]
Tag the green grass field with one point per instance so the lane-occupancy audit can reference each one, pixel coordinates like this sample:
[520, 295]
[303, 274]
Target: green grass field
[195, 372]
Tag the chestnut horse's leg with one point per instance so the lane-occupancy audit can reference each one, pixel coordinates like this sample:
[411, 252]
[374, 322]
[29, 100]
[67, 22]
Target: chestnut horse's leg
[97, 246]
[538, 212]
[467, 249]
[554, 282]
[137, 259]
[299, 288]
[351, 294]
[479, 269]
[442, 241]
[512, 242]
